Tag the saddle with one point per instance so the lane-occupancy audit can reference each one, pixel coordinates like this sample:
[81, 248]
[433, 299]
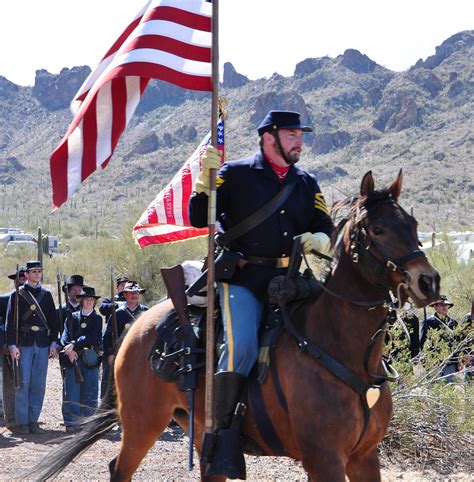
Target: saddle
[170, 358]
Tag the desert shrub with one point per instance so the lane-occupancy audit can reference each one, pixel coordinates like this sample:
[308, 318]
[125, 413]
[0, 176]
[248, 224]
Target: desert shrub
[93, 258]
[433, 422]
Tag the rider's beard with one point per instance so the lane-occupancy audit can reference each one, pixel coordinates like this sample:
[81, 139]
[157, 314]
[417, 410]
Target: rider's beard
[292, 156]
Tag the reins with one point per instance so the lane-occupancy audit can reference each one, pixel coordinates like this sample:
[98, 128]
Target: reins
[380, 268]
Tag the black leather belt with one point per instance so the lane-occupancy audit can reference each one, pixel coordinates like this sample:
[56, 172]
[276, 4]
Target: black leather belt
[269, 262]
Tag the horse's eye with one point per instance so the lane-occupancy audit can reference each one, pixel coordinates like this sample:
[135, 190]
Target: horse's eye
[377, 230]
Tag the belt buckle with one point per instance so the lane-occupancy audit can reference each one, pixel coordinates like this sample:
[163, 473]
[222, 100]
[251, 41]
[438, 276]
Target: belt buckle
[35, 328]
[283, 262]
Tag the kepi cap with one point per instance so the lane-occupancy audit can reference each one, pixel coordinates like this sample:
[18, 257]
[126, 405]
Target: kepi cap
[33, 265]
[121, 279]
[281, 119]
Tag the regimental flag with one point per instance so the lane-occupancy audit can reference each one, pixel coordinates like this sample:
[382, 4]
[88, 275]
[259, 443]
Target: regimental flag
[166, 219]
[168, 40]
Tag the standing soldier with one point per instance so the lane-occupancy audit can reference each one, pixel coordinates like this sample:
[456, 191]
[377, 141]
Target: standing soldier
[442, 322]
[126, 315]
[8, 384]
[105, 307]
[31, 345]
[72, 288]
[82, 340]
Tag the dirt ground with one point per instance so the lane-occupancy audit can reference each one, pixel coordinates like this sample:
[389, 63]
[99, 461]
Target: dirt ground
[166, 461]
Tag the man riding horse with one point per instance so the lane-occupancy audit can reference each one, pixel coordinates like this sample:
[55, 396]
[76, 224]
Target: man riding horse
[243, 188]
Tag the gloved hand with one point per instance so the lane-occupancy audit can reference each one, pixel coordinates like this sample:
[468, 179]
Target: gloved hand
[210, 160]
[315, 242]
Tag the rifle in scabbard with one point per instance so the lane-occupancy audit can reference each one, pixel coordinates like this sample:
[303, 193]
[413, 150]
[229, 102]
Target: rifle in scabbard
[16, 320]
[113, 315]
[77, 369]
[175, 285]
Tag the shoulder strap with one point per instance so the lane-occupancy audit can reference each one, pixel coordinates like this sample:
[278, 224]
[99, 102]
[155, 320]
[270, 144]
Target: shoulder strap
[257, 217]
[29, 298]
[130, 313]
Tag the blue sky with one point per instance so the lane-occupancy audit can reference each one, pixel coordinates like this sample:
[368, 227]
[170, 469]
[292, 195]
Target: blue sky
[259, 37]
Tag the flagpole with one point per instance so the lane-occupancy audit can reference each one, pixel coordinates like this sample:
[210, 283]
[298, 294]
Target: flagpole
[211, 217]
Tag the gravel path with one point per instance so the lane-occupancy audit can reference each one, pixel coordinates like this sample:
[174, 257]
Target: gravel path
[166, 461]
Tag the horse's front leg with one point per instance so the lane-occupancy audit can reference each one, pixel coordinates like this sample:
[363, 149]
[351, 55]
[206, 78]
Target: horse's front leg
[364, 467]
[325, 466]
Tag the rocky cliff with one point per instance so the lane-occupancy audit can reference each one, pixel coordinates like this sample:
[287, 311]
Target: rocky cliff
[364, 115]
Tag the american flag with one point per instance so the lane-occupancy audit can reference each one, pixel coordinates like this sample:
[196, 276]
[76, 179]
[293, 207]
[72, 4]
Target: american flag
[166, 219]
[168, 40]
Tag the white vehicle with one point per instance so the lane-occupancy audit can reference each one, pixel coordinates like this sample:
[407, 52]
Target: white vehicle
[10, 230]
[23, 246]
[7, 238]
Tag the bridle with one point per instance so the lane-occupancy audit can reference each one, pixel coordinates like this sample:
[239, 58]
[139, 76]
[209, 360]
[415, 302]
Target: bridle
[379, 265]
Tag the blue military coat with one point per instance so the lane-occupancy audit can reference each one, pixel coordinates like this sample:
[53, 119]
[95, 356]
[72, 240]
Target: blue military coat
[436, 323]
[105, 307]
[125, 317]
[32, 327]
[3, 316]
[4, 305]
[245, 185]
[85, 332]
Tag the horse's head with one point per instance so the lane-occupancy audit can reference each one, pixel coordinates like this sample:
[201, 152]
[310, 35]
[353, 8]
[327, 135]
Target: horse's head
[381, 238]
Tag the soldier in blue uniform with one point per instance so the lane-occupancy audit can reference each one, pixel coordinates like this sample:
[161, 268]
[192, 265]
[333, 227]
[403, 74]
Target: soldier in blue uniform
[243, 186]
[82, 341]
[442, 322]
[72, 289]
[128, 312]
[38, 333]
[8, 384]
[106, 305]
[105, 309]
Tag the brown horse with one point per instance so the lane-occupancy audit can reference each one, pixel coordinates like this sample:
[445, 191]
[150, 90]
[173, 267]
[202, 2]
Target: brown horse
[330, 426]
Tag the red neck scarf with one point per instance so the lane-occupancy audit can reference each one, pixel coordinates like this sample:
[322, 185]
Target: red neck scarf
[281, 172]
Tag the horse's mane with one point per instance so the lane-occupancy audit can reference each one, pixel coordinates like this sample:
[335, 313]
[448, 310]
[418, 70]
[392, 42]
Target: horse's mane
[358, 210]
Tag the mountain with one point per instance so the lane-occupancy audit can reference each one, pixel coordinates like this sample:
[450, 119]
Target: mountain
[365, 117]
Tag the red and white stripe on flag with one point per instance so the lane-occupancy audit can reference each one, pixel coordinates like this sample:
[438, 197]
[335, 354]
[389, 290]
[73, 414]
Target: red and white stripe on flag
[168, 40]
[166, 219]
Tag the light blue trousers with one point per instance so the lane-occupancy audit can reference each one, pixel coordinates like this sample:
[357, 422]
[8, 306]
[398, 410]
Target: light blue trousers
[29, 397]
[80, 399]
[241, 316]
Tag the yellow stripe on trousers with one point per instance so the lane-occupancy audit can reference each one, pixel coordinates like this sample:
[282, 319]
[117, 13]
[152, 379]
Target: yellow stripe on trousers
[228, 322]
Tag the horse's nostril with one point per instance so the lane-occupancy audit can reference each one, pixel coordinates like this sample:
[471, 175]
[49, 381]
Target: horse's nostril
[429, 284]
[426, 284]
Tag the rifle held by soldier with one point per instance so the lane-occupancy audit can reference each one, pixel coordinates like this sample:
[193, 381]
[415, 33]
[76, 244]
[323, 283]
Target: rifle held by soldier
[113, 315]
[16, 320]
[60, 311]
[77, 369]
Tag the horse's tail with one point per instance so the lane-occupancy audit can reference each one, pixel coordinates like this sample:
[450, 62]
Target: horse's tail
[92, 429]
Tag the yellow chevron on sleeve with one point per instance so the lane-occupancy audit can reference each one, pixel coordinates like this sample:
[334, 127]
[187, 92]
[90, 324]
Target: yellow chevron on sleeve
[219, 182]
[320, 203]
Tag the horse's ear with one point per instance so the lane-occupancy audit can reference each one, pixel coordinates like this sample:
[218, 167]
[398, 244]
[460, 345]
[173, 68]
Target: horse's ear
[395, 188]
[367, 185]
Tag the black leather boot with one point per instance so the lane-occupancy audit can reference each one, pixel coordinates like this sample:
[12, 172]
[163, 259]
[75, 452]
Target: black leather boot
[226, 457]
